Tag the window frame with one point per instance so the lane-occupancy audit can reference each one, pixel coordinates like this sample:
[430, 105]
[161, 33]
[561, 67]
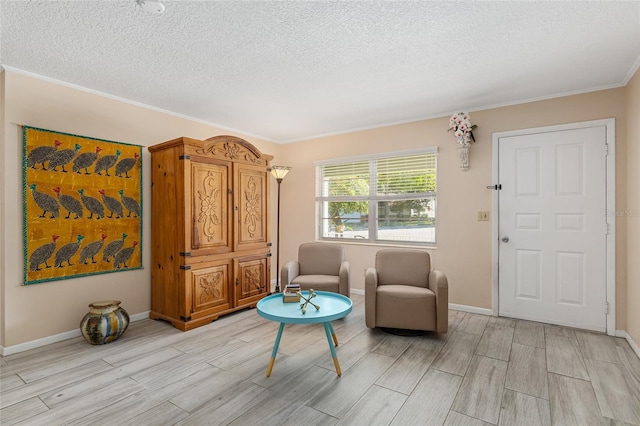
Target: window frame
[373, 198]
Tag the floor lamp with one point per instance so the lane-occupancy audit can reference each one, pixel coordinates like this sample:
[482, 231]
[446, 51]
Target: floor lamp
[278, 172]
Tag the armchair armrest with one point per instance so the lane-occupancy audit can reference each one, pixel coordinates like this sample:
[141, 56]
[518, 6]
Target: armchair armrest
[370, 288]
[344, 274]
[288, 272]
[439, 284]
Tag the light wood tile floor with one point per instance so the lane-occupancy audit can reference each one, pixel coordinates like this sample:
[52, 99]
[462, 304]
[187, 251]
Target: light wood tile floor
[485, 371]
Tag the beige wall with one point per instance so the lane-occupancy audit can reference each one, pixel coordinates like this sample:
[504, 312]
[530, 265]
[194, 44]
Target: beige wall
[464, 244]
[42, 310]
[32, 312]
[633, 207]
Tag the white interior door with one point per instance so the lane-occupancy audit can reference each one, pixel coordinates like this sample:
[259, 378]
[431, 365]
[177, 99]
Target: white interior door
[552, 253]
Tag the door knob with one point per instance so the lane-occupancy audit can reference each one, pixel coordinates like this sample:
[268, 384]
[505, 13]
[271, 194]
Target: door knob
[505, 239]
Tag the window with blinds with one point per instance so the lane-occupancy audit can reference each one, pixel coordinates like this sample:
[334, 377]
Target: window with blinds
[381, 198]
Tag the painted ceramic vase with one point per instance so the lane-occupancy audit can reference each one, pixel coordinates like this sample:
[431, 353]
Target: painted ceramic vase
[104, 323]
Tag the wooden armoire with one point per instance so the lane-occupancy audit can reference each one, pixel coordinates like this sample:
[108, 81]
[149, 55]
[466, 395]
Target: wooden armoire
[210, 246]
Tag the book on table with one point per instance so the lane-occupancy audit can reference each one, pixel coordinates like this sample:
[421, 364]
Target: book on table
[291, 293]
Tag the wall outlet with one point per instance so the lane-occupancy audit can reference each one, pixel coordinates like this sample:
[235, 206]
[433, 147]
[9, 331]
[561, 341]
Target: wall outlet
[483, 215]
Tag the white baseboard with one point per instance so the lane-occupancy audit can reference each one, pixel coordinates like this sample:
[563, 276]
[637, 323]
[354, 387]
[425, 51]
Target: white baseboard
[634, 345]
[21, 347]
[470, 309]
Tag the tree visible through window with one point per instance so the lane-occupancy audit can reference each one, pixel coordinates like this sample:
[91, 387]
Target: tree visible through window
[390, 198]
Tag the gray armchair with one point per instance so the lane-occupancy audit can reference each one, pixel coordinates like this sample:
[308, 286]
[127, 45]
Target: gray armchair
[402, 292]
[320, 266]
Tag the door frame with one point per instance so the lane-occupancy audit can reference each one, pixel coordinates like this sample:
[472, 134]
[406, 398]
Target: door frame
[610, 165]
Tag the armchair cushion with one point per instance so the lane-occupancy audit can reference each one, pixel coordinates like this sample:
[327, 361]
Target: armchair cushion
[407, 267]
[404, 306]
[320, 258]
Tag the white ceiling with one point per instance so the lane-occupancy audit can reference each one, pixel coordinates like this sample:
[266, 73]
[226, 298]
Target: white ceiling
[291, 70]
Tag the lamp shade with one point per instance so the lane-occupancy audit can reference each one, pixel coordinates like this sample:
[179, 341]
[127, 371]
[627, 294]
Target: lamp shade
[279, 172]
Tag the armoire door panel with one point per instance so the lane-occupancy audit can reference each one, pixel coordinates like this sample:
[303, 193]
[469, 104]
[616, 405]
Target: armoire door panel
[251, 279]
[251, 198]
[210, 213]
[211, 288]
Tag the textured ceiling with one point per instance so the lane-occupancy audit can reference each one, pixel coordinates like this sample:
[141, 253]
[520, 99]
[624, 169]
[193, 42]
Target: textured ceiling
[291, 70]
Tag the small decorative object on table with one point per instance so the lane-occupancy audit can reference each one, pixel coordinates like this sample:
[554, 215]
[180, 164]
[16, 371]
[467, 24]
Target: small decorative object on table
[307, 300]
[105, 322]
[291, 293]
[462, 128]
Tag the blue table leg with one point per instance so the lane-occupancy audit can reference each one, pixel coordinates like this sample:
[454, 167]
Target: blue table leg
[275, 349]
[328, 329]
[333, 334]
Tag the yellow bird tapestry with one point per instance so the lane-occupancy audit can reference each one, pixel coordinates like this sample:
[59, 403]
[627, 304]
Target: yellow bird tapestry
[82, 206]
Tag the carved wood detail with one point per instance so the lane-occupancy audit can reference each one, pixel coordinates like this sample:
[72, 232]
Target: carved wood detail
[210, 287]
[252, 207]
[234, 149]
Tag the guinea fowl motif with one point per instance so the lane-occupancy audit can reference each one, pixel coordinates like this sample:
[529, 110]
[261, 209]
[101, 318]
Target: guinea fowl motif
[126, 164]
[91, 250]
[66, 252]
[130, 204]
[42, 254]
[62, 157]
[85, 160]
[41, 154]
[106, 162]
[71, 204]
[92, 204]
[123, 255]
[112, 248]
[46, 202]
[112, 204]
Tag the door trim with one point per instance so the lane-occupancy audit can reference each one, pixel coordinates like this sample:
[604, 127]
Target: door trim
[610, 209]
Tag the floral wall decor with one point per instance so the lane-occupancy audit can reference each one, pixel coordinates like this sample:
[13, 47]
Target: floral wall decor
[460, 124]
[82, 200]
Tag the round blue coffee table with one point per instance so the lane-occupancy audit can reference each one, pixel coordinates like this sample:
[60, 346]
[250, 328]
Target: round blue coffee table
[333, 306]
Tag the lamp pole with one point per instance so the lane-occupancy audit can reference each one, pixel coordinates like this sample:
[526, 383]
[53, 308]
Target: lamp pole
[278, 172]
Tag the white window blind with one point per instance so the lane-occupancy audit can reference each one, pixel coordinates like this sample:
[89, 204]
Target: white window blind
[389, 197]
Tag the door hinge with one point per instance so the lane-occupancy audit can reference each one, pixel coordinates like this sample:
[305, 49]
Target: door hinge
[606, 307]
[606, 149]
[606, 229]
[237, 281]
